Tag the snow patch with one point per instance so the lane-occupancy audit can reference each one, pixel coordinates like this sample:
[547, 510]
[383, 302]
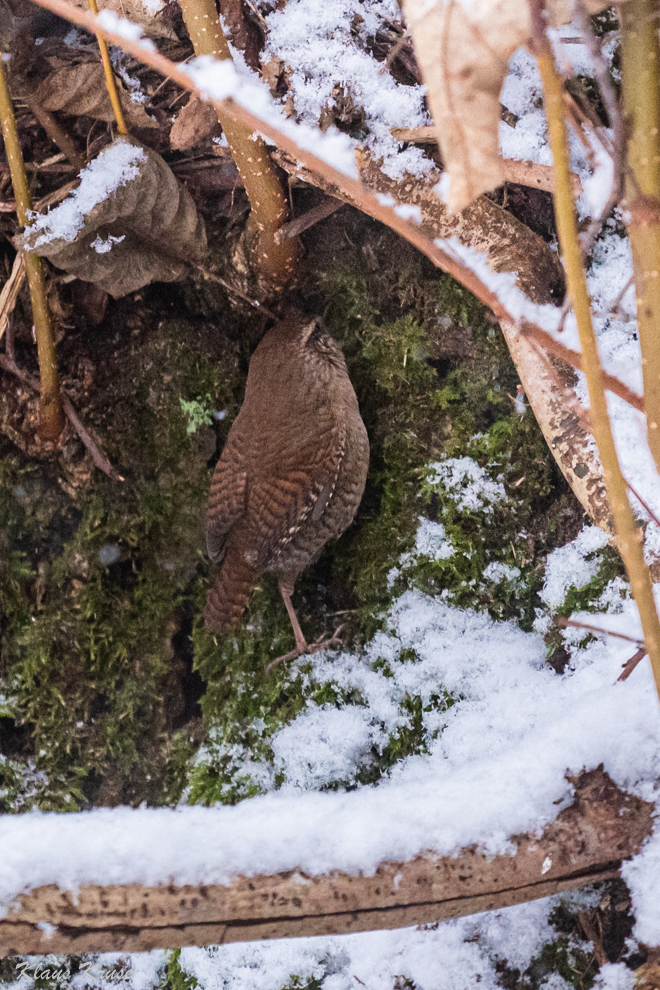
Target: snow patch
[114, 167]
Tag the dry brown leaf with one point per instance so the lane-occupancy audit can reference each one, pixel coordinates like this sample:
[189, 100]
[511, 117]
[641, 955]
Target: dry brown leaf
[197, 122]
[144, 12]
[80, 89]
[147, 230]
[463, 51]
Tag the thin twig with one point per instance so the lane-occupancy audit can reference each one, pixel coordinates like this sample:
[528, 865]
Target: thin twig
[326, 208]
[57, 134]
[630, 665]
[260, 17]
[46, 201]
[625, 522]
[100, 460]
[110, 81]
[523, 173]
[618, 299]
[643, 503]
[232, 288]
[607, 632]
[574, 358]
[51, 419]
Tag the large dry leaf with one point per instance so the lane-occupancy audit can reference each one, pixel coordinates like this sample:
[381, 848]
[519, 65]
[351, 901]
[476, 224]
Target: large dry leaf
[197, 122]
[508, 246]
[463, 51]
[80, 89]
[145, 229]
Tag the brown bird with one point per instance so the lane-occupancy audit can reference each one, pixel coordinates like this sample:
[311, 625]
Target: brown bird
[291, 474]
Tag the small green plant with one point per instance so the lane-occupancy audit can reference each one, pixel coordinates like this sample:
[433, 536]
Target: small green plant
[199, 412]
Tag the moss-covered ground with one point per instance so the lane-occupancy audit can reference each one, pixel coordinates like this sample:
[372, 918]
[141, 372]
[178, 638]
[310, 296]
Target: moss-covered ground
[104, 657]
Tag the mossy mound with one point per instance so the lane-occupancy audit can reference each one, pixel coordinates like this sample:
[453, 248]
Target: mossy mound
[104, 583]
[95, 577]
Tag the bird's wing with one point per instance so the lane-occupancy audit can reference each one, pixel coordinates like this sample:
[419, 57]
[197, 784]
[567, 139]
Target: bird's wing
[227, 498]
[300, 484]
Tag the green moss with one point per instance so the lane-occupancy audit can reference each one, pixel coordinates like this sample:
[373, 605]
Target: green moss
[176, 978]
[302, 983]
[95, 586]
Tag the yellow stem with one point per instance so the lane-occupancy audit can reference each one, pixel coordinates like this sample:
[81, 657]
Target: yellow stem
[640, 69]
[628, 533]
[269, 207]
[110, 82]
[51, 416]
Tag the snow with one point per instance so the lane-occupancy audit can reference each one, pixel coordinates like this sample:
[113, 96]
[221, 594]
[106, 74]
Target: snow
[125, 29]
[431, 541]
[468, 483]
[113, 167]
[642, 875]
[597, 188]
[225, 80]
[325, 45]
[574, 564]
[496, 764]
[614, 976]
[102, 247]
[467, 950]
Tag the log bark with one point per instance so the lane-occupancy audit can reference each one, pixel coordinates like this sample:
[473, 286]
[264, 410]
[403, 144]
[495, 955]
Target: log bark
[585, 843]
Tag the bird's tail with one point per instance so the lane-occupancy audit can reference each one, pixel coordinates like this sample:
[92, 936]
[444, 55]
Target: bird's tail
[229, 594]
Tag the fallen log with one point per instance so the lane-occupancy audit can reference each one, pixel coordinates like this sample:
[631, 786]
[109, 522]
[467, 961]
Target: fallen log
[587, 842]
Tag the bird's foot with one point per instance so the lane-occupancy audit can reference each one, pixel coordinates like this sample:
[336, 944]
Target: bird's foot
[320, 644]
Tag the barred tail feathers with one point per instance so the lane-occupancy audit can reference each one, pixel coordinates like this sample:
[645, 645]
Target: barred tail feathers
[228, 596]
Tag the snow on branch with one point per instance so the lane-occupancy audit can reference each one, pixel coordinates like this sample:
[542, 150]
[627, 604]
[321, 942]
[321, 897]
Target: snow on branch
[137, 879]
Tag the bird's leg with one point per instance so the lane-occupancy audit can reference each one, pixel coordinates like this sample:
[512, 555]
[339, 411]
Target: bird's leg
[286, 590]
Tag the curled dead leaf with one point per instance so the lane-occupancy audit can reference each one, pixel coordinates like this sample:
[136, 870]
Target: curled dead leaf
[80, 89]
[146, 229]
[464, 51]
[196, 122]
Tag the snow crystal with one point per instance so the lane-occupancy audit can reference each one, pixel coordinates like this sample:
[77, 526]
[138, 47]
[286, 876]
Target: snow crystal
[102, 247]
[468, 483]
[498, 572]
[116, 165]
[614, 976]
[568, 566]
[431, 541]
